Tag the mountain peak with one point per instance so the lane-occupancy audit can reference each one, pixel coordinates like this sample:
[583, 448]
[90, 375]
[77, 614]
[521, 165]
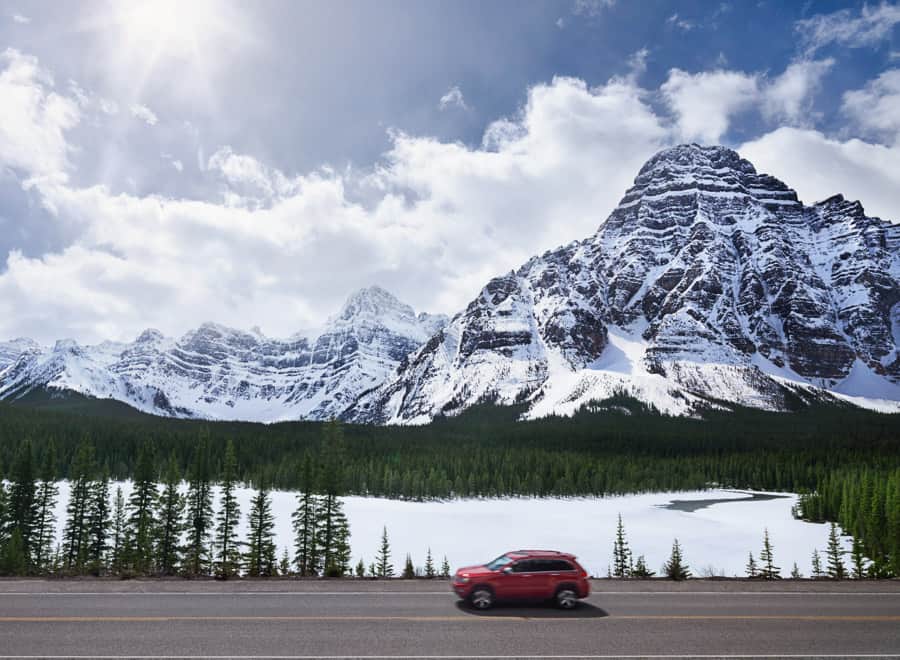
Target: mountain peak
[695, 156]
[374, 301]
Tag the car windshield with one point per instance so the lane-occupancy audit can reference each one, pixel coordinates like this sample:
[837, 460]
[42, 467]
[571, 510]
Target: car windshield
[499, 562]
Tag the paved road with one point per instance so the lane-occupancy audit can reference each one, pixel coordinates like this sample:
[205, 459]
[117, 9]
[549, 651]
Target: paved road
[416, 619]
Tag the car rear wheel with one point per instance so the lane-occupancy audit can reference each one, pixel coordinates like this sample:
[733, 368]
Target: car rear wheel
[482, 598]
[566, 598]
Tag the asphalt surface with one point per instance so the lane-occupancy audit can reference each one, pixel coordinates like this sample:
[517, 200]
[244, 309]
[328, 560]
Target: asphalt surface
[424, 619]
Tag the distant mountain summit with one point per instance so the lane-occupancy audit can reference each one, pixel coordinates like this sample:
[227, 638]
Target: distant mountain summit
[709, 285]
[216, 372]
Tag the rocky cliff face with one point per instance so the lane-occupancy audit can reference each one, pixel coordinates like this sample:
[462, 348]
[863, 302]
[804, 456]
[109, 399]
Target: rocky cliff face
[709, 283]
[220, 373]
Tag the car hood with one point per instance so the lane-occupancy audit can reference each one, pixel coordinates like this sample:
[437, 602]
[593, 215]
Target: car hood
[474, 570]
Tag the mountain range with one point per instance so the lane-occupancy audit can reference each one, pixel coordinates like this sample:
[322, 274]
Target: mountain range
[709, 285]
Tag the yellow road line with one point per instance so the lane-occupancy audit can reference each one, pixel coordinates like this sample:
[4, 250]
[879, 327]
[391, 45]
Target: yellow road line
[640, 617]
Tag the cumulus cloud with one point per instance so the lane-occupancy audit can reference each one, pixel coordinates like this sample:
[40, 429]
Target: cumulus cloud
[35, 118]
[453, 99]
[789, 95]
[846, 28]
[704, 102]
[875, 109]
[145, 114]
[591, 7]
[682, 24]
[21, 19]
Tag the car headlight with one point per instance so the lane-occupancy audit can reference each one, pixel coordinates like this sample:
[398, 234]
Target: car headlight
[461, 579]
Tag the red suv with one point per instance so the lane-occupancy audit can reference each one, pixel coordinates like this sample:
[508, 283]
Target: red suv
[524, 575]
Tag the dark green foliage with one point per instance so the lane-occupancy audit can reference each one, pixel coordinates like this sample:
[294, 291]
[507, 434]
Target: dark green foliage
[640, 570]
[141, 529]
[836, 568]
[98, 522]
[445, 568]
[621, 553]
[45, 520]
[119, 531]
[305, 521]
[260, 556]
[795, 572]
[170, 516]
[751, 569]
[675, 568]
[76, 534]
[21, 505]
[768, 569]
[199, 510]
[409, 571]
[284, 566]
[429, 565]
[360, 568]
[226, 547]
[383, 559]
[817, 566]
[858, 559]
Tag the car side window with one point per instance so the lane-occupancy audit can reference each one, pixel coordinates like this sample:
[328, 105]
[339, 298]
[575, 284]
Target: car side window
[526, 566]
[562, 565]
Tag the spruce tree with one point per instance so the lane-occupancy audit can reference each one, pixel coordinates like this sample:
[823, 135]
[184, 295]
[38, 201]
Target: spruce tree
[45, 520]
[795, 572]
[859, 560]
[836, 568]
[769, 570]
[226, 549]
[751, 569]
[816, 565]
[199, 510]
[641, 570]
[170, 514]
[445, 568]
[621, 553]
[383, 558]
[332, 528]
[76, 539]
[360, 568]
[142, 532]
[305, 522]
[4, 502]
[429, 565]
[409, 571]
[21, 507]
[98, 521]
[284, 566]
[119, 522]
[675, 568]
[260, 557]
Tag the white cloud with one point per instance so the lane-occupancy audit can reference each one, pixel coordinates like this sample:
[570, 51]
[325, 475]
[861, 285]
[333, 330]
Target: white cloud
[174, 162]
[789, 95]
[637, 64]
[871, 26]
[591, 7]
[453, 99]
[683, 24]
[145, 114]
[21, 19]
[818, 167]
[704, 102]
[35, 118]
[875, 109]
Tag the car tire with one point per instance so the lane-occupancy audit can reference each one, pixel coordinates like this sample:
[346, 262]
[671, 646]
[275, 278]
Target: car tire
[566, 597]
[481, 598]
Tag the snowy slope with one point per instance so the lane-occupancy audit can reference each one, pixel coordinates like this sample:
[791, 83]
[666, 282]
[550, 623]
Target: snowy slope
[216, 372]
[709, 283]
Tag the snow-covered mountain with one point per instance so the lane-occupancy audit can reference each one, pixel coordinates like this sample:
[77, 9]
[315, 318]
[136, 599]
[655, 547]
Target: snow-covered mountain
[216, 372]
[709, 283]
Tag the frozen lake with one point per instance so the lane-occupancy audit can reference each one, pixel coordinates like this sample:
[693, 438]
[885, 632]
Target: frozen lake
[716, 528]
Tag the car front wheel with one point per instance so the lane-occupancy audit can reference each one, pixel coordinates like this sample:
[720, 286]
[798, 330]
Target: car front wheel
[566, 598]
[482, 598]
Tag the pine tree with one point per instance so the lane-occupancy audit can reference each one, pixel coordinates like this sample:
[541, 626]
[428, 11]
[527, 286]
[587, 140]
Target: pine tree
[21, 508]
[445, 568]
[795, 572]
[284, 566]
[836, 568]
[4, 503]
[119, 522]
[45, 520]
[383, 558]
[305, 522]
[75, 534]
[333, 530]
[769, 570]
[142, 530]
[409, 571]
[98, 521]
[816, 565]
[640, 569]
[170, 513]
[229, 557]
[621, 553]
[260, 557]
[675, 568]
[199, 510]
[859, 560]
[360, 568]
[429, 565]
[751, 569]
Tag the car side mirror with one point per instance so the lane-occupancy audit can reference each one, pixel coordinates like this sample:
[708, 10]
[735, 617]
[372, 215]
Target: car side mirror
[507, 569]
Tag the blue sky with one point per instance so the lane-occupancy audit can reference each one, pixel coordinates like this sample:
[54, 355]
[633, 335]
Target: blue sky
[163, 163]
